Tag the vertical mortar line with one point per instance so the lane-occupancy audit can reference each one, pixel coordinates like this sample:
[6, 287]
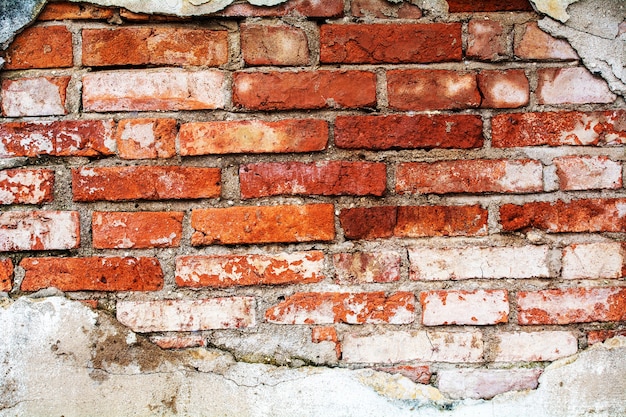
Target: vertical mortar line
[74, 90]
[382, 101]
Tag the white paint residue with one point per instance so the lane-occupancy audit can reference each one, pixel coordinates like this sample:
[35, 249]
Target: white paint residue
[165, 240]
[522, 177]
[140, 133]
[621, 209]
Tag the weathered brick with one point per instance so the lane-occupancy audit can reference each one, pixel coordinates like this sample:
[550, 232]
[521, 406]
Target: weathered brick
[533, 43]
[40, 47]
[351, 308]
[145, 17]
[564, 86]
[39, 230]
[253, 136]
[504, 89]
[460, 6]
[559, 128]
[470, 176]
[138, 230]
[304, 90]
[92, 274]
[471, 262]
[58, 138]
[432, 90]
[321, 334]
[384, 9]
[587, 215]
[184, 341]
[265, 224]
[588, 172]
[403, 346]
[39, 96]
[146, 138]
[420, 221]
[364, 267]
[479, 307]
[361, 43]
[572, 305]
[187, 315]
[154, 46]
[368, 222]
[418, 374]
[307, 8]
[487, 40]
[71, 11]
[141, 90]
[485, 383]
[602, 260]
[145, 183]
[273, 45]
[26, 186]
[534, 346]
[6, 275]
[244, 270]
[599, 336]
[316, 178]
[409, 132]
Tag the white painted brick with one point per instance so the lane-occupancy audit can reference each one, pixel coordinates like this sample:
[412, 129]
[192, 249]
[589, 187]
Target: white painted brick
[40, 96]
[534, 346]
[592, 260]
[480, 307]
[485, 383]
[588, 173]
[39, 230]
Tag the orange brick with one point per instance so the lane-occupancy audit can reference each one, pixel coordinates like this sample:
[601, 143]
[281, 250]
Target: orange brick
[420, 221]
[533, 43]
[71, 11]
[138, 230]
[41, 47]
[26, 186]
[146, 138]
[6, 275]
[273, 45]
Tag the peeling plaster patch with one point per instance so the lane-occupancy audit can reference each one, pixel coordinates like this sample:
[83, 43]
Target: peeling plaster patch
[554, 8]
[177, 7]
[15, 16]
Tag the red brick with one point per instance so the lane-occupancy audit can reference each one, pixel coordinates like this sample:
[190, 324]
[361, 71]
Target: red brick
[26, 186]
[6, 275]
[588, 173]
[432, 90]
[70, 11]
[504, 89]
[533, 43]
[39, 96]
[418, 374]
[587, 215]
[154, 46]
[267, 224]
[178, 341]
[460, 6]
[40, 47]
[571, 86]
[599, 336]
[559, 128]
[364, 267]
[39, 230]
[166, 89]
[58, 138]
[409, 132]
[146, 138]
[306, 8]
[244, 270]
[137, 230]
[253, 136]
[372, 43]
[572, 305]
[304, 90]
[273, 45]
[479, 307]
[351, 308]
[316, 178]
[92, 274]
[470, 176]
[420, 221]
[145, 183]
[383, 9]
[368, 222]
[487, 40]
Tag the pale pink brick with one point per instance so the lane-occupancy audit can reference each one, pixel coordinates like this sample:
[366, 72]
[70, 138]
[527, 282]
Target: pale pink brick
[362, 267]
[403, 346]
[588, 173]
[603, 260]
[146, 138]
[480, 307]
[39, 230]
[537, 44]
[26, 186]
[178, 341]
[487, 40]
[172, 89]
[485, 383]
[187, 315]
[571, 86]
[41, 96]
[504, 89]
[430, 264]
[534, 346]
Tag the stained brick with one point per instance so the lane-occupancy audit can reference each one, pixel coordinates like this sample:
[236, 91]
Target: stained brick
[308, 8]
[534, 346]
[368, 222]
[602, 260]
[146, 138]
[39, 230]
[479, 307]
[384, 9]
[364, 267]
[504, 89]
[6, 275]
[460, 6]
[599, 336]
[273, 45]
[184, 341]
[26, 186]
[485, 383]
[588, 173]
[138, 230]
[563, 86]
[420, 221]
[39, 96]
[533, 43]
[487, 40]
[40, 47]
[70, 11]
[418, 374]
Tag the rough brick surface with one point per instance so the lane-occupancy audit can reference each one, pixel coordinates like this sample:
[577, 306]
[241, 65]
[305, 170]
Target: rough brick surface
[329, 8]
[92, 274]
[234, 225]
[602, 260]
[39, 230]
[460, 6]
[6, 275]
[534, 346]
[178, 341]
[504, 89]
[67, 11]
[26, 186]
[318, 178]
[486, 383]
[244, 270]
[41, 47]
[480, 307]
[274, 45]
[384, 9]
[588, 173]
[371, 43]
[420, 221]
[534, 43]
[40, 96]
[117, 230]
[145, 183]
[562, 86]
[362, 267]
[368, 222]
[146, 138]
[351, 308]
[487, 40]
[418, 374]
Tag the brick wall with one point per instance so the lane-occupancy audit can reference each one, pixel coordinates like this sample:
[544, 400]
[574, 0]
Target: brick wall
[440, 198]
